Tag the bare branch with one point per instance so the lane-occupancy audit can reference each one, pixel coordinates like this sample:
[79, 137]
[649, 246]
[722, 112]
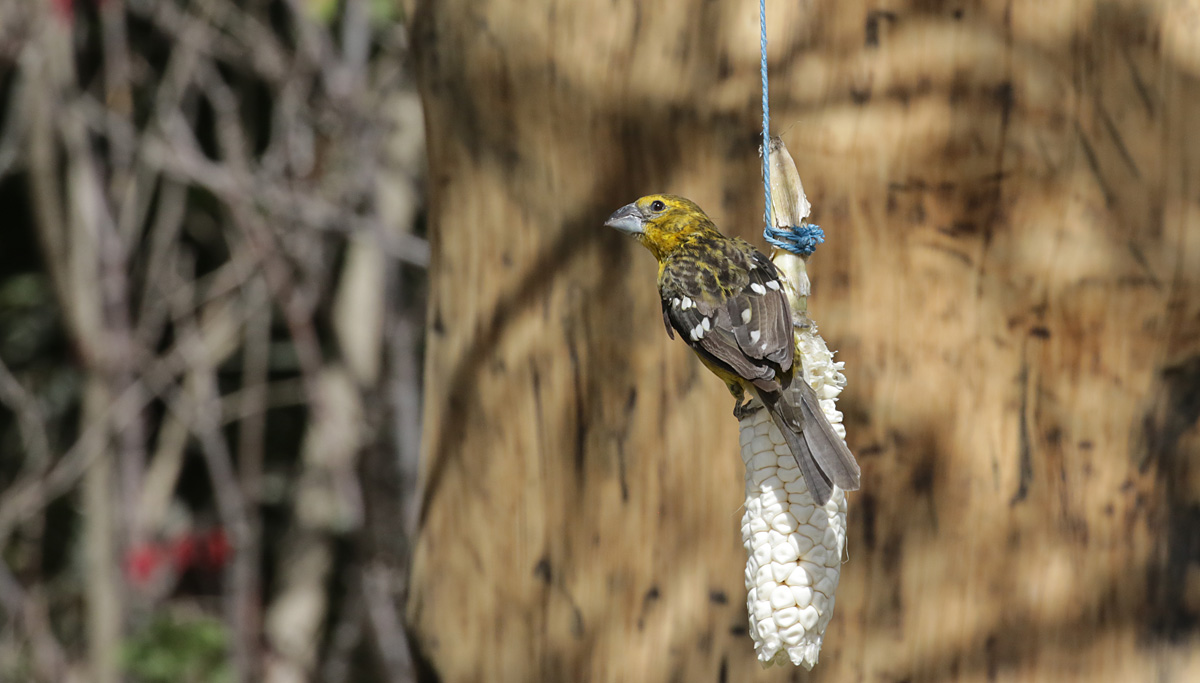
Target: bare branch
[379, 595]
[13, 132]
[182, 159]
[29, 609]
[254, 143]
[30, 420]
[29, 495]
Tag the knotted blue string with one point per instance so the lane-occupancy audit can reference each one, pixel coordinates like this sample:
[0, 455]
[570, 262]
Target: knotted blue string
[801, 240]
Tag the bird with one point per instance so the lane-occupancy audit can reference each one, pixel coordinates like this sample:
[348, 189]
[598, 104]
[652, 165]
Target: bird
[726, 300]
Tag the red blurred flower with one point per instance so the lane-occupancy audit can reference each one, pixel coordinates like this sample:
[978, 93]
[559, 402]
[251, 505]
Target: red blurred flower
[143, 562]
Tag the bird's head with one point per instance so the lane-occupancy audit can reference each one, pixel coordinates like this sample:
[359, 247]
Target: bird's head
[661, 222]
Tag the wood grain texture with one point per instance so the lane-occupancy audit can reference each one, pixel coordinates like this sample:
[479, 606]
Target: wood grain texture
[1011, 193]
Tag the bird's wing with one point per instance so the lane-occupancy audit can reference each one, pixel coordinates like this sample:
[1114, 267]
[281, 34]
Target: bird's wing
[726, 301]
[761, 314]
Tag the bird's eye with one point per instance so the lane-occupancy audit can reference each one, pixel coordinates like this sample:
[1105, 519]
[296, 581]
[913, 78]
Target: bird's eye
[657, 205]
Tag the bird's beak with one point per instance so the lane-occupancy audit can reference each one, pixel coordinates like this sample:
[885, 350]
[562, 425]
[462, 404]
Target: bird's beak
[627, 219]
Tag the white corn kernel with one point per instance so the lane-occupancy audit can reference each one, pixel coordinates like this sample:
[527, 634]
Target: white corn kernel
[784, 552]
[784, 523]
[799, 577]
[786, 616]
[782, 597]
[809, 616]
[780, 571]
[763, 443]
[803, 595]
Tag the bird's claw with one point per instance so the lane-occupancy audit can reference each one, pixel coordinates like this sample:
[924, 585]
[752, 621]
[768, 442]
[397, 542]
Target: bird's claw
[745, 408]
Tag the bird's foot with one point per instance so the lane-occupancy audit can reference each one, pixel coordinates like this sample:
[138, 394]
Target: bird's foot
[745, 408]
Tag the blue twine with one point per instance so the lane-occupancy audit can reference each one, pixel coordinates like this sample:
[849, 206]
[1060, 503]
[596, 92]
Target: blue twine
[766, 108]
[801, 240]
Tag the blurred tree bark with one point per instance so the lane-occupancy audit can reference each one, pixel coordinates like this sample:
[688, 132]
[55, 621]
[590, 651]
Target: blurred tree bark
[1012, 275]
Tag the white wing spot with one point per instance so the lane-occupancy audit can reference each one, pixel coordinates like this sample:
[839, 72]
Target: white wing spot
[675, 302]
[774, 284]
[706, 324]
[754, 335]
[687, 303]
[746, 315]
[758, 288]
[697, 332]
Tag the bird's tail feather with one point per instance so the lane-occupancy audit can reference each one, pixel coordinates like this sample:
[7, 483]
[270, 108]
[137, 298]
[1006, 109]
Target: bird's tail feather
[822, 455]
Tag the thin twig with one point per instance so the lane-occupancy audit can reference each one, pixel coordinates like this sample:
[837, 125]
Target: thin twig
[28, 496]
[386, 625]
[28, 608]
[182, 159]
[123, 197]
[246, 589]
[201, 412]
[31, 422]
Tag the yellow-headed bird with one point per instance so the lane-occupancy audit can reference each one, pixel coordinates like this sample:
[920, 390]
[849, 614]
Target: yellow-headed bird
[725, 299]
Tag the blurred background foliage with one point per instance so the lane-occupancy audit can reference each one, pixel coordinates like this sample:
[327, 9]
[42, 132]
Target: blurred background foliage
[317, 364]
[191, 649]
[211, 302]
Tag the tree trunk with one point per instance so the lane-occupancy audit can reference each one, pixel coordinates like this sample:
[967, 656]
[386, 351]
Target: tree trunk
[1011, 274]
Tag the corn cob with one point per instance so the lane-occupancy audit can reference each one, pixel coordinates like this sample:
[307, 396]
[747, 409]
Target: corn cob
[794, 546]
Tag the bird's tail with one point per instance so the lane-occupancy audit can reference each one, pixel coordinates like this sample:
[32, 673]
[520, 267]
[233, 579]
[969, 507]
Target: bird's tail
[822, 455]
